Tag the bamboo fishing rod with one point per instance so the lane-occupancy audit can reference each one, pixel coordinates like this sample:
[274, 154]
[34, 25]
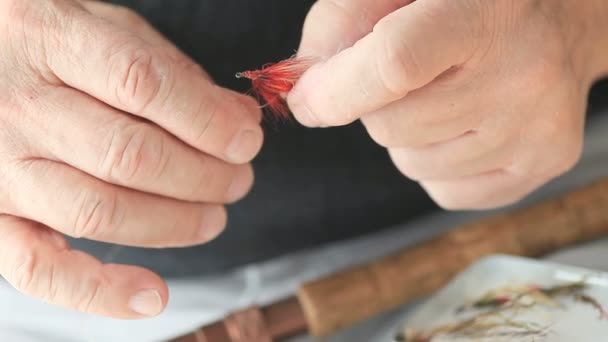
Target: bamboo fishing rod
[327, 305]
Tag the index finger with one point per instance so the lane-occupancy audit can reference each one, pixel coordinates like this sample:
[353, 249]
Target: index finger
[406, 50]
[127, 72]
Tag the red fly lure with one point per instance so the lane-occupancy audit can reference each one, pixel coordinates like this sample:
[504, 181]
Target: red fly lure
[273, 82]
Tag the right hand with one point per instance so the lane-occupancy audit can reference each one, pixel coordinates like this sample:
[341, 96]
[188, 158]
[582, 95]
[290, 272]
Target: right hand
[108, 132]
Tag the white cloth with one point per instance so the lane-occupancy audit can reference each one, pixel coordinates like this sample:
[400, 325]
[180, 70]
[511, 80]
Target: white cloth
[197, 301]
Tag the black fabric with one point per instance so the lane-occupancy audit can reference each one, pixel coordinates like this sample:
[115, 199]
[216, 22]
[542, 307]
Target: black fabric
[313, 186]
[598, 98]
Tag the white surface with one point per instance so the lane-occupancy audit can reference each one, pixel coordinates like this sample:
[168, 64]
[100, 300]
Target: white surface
[197, 301]
[572, 322]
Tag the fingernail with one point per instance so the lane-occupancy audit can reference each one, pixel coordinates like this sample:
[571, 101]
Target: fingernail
[239, 186]
[146, 303]
[244, 146]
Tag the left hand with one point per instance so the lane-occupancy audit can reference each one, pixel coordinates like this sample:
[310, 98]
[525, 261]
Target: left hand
[479, 101]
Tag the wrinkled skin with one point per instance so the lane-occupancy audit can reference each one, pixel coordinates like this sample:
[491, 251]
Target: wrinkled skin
[109, 133]
[480, 101]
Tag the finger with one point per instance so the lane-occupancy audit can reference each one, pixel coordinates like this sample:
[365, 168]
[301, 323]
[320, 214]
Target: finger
[407, 49]
[493, 145]
[132, 75]
[485, 191]
[39, 263]
[81, 206]
[91, 136]
[333, 25]
[540, 153]
[465, 156]
[549, 145]
[128, 19]
[424, 117]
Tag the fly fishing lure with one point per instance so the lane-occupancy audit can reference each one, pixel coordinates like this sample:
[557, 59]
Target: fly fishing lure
[489, 326]
[499, 310]
[273, 82]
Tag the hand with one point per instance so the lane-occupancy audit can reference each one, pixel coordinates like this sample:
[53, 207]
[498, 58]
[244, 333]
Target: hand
[109, 133]
[479, 101]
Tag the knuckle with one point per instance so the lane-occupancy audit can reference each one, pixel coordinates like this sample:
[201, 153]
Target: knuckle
[50, 286]
[136, 77]
[203, 119]
[90, 295]
[31, 277]
[398, 66]
[133, 153]
[36, 29]
[95, 214]
[24, 272]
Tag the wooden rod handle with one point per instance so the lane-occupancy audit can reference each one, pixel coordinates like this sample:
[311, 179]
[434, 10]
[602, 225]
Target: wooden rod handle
[346, 298]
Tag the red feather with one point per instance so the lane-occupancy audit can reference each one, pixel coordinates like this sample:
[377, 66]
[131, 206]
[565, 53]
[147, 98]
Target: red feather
[273, 82]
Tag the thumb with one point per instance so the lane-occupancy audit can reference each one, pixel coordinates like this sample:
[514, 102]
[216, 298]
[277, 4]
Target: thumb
[334, 25]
